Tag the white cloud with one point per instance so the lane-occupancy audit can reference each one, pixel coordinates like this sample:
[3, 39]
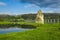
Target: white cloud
[30, 5]
[44, 3]
[2, 4]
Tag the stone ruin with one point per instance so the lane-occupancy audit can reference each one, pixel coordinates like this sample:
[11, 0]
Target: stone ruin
[39, 17]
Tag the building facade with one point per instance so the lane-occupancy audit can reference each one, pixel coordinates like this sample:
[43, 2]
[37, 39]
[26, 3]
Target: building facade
[47, 17]
[51, 18]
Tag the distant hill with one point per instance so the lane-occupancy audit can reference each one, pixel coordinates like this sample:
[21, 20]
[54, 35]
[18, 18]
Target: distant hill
[33, 16]
[30, 16]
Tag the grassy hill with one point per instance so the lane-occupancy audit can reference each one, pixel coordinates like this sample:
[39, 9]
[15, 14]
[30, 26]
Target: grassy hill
[43, 32]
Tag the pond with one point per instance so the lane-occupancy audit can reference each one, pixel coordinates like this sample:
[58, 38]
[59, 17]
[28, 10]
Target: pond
[9, 30]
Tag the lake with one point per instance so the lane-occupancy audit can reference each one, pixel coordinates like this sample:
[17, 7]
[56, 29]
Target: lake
[9, 30]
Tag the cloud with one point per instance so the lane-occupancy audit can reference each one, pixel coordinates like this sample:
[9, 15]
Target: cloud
[30, 5]
[44, 3]
[2, 4]
[54, 4]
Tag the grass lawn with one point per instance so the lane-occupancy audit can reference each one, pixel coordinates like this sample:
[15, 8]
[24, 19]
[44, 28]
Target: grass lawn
[43, 32]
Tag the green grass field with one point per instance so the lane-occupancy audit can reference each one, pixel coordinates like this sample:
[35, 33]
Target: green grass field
[43, 32]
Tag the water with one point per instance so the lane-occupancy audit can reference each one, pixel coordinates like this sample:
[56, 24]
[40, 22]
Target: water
[8, 30]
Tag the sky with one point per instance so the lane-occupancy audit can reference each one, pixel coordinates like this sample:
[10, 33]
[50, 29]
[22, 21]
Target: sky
[14, 7]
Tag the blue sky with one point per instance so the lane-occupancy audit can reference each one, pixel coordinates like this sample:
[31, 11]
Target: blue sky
[28, 6]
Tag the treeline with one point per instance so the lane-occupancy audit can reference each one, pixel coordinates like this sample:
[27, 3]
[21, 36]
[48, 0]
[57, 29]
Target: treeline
[15, 18]
[23, 17]
[28, 16]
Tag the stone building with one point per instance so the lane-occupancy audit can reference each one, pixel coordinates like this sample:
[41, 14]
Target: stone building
[40, 17]
[51, 17]
[47, 17]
